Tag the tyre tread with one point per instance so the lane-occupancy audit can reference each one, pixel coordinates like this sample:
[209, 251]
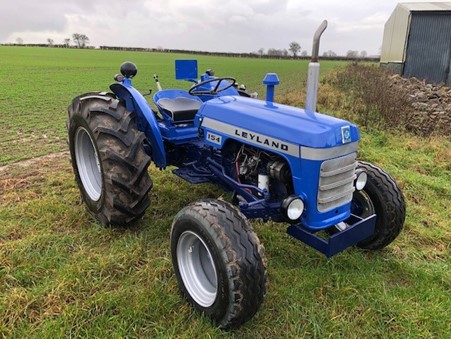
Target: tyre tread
[121, 152]
[245, 257]
[392, 206]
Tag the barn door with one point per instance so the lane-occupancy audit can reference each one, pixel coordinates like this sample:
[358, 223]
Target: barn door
[429, 47]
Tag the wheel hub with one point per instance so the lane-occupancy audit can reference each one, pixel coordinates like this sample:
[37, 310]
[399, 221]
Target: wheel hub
[362, 205]
[197, 268]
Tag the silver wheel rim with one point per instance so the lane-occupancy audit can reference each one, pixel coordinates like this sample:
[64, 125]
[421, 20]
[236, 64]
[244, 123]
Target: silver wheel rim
[197, 269]
[88, 164]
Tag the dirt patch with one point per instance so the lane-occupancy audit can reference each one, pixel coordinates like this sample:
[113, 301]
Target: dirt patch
[33, 162]
[31, 173]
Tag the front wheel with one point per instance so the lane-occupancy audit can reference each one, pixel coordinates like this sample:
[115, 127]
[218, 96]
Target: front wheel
[383, 197]
[219, 262]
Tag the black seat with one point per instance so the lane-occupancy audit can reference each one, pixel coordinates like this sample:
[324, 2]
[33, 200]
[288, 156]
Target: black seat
[180, 109]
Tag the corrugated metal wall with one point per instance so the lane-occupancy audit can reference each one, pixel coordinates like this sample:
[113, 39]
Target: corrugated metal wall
[429, 47]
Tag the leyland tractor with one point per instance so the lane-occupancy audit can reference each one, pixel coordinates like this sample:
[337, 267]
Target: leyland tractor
[280, 163]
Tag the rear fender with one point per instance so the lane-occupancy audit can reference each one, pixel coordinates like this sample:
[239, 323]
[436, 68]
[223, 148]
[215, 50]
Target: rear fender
[135, 102]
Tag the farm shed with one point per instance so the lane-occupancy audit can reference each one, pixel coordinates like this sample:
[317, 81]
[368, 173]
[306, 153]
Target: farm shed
[417, 41]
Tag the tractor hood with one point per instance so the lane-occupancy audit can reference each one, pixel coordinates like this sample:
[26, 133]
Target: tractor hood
[237, 116]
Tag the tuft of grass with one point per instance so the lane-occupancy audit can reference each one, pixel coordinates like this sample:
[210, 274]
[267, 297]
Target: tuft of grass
[365, 94]
[374, 98]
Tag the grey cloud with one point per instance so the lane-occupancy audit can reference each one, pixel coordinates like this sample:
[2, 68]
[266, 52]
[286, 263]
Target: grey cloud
[29, 16]
[51, 15]
[215, 25]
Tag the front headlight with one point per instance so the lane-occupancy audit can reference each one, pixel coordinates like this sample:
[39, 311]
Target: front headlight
[292, 208]
[361, 180]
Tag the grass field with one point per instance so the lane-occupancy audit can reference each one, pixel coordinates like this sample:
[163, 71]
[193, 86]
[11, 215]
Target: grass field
[37, 85]
[63, 275]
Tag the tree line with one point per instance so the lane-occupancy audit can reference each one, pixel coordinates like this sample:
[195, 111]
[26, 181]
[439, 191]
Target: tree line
[80, 40]
[294, 50]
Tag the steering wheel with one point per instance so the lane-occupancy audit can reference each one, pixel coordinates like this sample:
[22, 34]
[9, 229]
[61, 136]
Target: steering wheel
[213, 91]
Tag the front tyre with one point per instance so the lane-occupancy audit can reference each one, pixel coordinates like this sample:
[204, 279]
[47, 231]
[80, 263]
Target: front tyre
[108, 158]
[218, 261]
[383, 197]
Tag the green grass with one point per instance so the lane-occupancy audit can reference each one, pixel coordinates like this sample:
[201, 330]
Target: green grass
[37, 85]
[63, 275]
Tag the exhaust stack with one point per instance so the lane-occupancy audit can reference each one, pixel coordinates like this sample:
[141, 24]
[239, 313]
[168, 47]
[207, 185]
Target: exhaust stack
[313, 70]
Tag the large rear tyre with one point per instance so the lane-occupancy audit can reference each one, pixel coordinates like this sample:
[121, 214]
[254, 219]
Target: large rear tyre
[383, 197]
[219, 262]
[108, 158]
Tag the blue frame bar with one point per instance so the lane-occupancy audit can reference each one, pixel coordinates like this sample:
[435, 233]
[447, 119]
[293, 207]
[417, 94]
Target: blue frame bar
[337, 242]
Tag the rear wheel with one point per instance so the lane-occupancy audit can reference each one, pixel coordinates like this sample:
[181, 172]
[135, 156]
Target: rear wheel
[219, 262]
[381, 196]
[108, 158]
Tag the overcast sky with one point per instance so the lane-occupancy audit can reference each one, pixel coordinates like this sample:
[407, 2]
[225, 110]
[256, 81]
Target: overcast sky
[204, 25]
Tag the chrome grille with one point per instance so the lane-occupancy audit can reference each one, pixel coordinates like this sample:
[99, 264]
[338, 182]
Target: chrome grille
[336, 182]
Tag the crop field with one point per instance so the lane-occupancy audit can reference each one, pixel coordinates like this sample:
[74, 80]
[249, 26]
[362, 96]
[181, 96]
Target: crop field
[64, 275]
[37, 85]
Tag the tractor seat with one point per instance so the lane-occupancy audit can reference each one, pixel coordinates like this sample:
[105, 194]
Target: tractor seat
[180, 109]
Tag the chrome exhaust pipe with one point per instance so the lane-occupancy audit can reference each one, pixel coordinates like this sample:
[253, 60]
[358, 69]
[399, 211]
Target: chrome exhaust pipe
[313, 70]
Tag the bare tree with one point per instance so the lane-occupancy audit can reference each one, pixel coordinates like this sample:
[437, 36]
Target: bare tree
[352, 54]
[329, 53]
[261, 51]
[304, 53]
[80, 40]
[275, 52]
[363, 54]
[50, 42]
[294, 48]
[19, 41]
[67, 42]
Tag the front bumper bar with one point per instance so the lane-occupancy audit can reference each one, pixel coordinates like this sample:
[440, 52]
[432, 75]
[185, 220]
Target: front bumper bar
[358, 230]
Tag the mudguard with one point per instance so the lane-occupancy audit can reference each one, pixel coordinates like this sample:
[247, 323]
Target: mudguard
[135, 102]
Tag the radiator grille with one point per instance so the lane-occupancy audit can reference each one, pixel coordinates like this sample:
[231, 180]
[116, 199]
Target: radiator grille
[336, 182]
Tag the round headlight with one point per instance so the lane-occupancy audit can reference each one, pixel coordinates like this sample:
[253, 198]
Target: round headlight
[360, 181]
[292, 208]
[295, 209]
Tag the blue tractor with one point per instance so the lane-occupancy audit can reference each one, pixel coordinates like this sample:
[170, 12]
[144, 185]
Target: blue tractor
[281, 163]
